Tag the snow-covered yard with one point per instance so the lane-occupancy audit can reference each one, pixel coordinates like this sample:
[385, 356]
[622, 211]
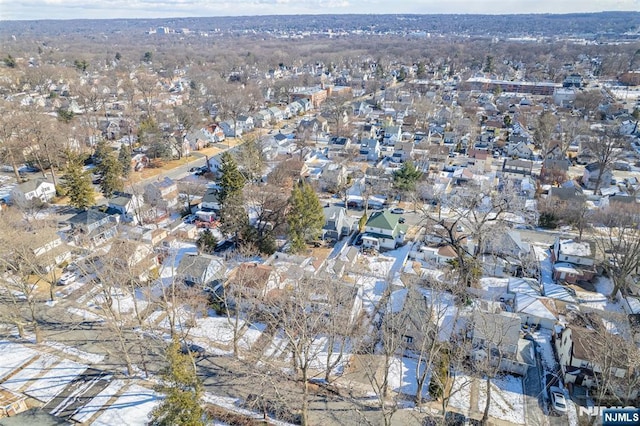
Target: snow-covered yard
[98, 401]
[54, 379]
[14, 355]
[598, 299]
[220, 332]
[132, 408]
[402, 377]
[507, 399]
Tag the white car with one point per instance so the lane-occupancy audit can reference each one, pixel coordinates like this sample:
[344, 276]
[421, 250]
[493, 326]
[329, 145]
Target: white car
[67, 278]
[558, 401]
[397, 210]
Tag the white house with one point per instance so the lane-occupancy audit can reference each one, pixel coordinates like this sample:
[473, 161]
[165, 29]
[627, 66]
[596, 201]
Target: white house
[383, 231]
[36, 189]
[127, 204]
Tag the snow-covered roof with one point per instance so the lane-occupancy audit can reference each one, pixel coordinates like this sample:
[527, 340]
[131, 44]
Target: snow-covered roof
[533, 306]
[566, 267]
[574, 248]
[558, 292]
[527, 286]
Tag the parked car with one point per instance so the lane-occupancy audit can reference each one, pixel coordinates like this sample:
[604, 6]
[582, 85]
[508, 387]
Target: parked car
[558, 401]
[397, 210]
[193, 349]
[67, 278]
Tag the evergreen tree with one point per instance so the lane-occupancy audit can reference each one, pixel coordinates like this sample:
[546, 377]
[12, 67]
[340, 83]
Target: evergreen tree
[182, 390]
[111, 171]
[405, 178]
[206, 242]
[101, 151]
[231, 180]
[77, 183]
[233, 217]
[305, 217]
[124, 158]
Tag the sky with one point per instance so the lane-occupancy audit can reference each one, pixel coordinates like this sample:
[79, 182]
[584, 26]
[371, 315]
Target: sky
[92, 9]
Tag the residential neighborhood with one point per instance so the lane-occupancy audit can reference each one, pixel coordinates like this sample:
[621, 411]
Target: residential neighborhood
[331, 240]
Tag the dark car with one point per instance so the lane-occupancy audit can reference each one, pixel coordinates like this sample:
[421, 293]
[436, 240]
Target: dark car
[193, 349]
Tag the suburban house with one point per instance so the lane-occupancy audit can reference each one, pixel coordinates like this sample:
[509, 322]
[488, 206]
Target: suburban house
[573, 260]
[369, 149]
[211, 200]
[197, 139]
[50, 251]
[245, 122]
[584, 356]
[93, 227]
[276, 114]
[417, 307]
[231, 129]
[128, 205]
[334, 177]
[590, 176]
[517, 169]
[201, 270]
[215, 132]
[33, 190]
[337, 224]
[497, 336]
[252, 280]
[139, 257]
[162, 194]
[520, 150]
[383, 230]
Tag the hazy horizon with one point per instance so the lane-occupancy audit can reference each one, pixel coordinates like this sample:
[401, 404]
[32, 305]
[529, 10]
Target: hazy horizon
[166, 9]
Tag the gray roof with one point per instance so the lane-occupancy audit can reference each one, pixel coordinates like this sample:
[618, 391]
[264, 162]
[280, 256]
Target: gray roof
[120, 198]
[87, 217]
[31, 185]
[212, 196]
[196, 265]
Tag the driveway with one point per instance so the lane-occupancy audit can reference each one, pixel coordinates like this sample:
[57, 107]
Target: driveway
[533, 398]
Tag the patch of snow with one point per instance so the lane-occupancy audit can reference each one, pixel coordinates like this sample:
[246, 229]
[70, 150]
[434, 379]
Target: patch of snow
[30, 372]
[86, 356]
[14, 355]
[231, 404]
[402, 377]
[54, 380]
[461, 392]
[132, 408]
[85, 315]
[507, 399]
[97, 402]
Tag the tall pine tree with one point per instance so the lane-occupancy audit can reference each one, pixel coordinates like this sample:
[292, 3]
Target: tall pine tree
[305, 217]
[77, 183]
[124, 158]
[231, 180]
[110, 170]
[182, 390]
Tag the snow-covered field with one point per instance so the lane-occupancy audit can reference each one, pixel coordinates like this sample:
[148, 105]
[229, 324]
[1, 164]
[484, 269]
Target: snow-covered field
[132, 408]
